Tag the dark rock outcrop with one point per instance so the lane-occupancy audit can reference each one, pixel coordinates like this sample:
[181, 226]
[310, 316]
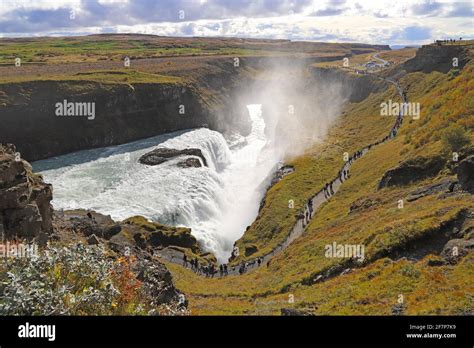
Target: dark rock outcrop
[25, 210]
[250, 250]
[92, 240]
[455, 249]
[399, 309]
[190, 162]
[162, 154]
[294, 312]
[158, 283]
[446, 185]
[356, 87]
[412, 170]
[154, 235]
[436, 58]
[465, 173]
[90, 223]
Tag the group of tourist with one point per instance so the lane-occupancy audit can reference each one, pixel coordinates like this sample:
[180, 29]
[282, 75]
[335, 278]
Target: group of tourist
[343, 175]
[307, 213]
[210, 270]
[245, 265]
[447, 41]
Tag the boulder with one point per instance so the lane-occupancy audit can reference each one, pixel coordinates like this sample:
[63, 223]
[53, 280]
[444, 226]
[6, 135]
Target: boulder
[398, 309]
[465, 173]
[434, 262]
[93, 240]
[294, 312]
[162, 154]
[181, 237]
[190, 162]
[455, 249]
[16, 196]
[157, 282]
[22, 223]
[89, 222]
[11, 168]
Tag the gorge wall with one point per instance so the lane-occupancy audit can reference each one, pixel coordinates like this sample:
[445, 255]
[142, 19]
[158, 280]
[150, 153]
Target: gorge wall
[215, 98]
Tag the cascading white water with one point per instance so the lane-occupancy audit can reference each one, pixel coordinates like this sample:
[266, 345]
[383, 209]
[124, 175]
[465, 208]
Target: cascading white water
[217, 202]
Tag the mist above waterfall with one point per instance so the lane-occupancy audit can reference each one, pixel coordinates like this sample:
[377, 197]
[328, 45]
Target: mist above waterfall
[298, 107]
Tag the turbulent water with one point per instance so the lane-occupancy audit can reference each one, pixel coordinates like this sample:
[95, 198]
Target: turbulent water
[216, 202]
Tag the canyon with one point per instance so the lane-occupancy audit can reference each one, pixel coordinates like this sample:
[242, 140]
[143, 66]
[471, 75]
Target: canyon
[132, 116]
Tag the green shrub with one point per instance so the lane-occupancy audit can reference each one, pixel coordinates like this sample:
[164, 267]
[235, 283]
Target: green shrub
[454, 138]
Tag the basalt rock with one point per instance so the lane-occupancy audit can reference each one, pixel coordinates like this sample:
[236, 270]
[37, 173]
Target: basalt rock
[251, 249]
[412, 170]
[294, 312]
[446, 185]
[465, 173]
[436, 58]
[154, 235]
[158, 283]
[25, 209]
[161, 154]
[455, 249]
[90, 223]
[93, 240]
[190, 162]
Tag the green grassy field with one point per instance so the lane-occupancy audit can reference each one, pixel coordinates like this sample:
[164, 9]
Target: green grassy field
[60, 50]
[122, 76]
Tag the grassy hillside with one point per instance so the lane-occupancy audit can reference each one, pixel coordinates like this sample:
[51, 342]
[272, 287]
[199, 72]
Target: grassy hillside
[375, 220]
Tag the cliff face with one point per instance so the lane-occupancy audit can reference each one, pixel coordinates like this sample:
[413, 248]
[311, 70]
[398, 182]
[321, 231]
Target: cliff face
[123, 113]
[356, 87]
[25, 209]
[436, 58]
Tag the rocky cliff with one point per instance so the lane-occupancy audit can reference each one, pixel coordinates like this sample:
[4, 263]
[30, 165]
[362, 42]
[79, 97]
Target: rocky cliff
[25, 209]
[123, 113]
[356, 87]
[436, 58]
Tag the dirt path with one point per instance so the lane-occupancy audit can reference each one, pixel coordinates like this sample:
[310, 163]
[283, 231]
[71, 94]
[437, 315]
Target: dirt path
[316, 201]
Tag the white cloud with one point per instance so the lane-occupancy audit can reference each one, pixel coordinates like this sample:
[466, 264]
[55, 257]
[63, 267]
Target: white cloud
[371, 21]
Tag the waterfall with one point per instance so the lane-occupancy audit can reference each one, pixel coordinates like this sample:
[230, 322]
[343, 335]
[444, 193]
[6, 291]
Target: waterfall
[217, 202]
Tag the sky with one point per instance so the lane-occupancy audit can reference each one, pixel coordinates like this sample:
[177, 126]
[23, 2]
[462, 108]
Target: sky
[394, 22]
